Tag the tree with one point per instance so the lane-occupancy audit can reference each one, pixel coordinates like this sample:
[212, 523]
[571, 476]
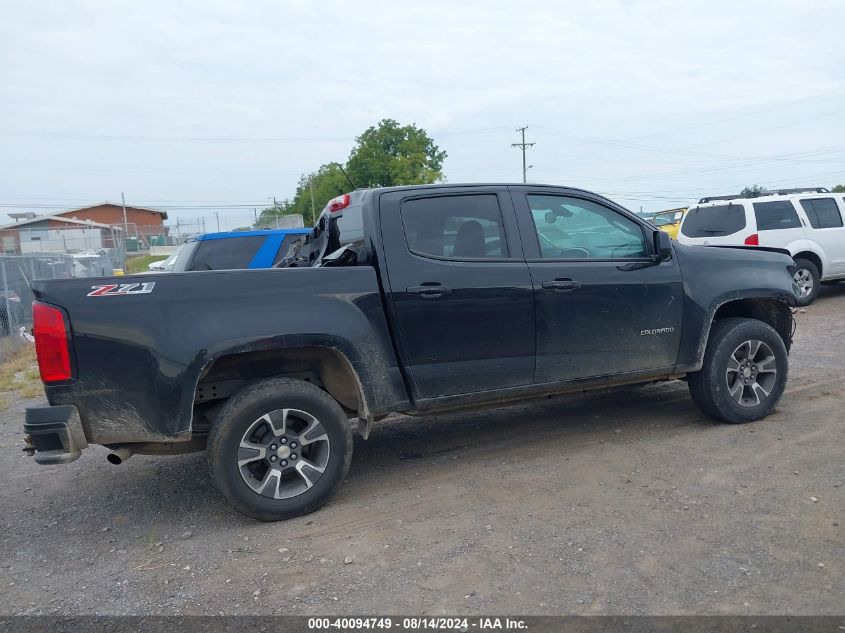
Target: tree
[838, 189]
[389, 154]
[384, 155]
[753, 191]
[325, 183]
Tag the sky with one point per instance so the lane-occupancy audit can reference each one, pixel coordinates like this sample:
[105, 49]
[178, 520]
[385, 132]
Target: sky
[204, 106]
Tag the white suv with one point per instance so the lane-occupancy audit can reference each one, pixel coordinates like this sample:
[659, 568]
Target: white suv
[806, 222]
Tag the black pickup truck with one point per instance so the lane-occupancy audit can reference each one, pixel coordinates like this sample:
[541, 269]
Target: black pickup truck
[401, 300]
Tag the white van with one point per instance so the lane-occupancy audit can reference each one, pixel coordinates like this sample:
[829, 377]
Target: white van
[806, 222]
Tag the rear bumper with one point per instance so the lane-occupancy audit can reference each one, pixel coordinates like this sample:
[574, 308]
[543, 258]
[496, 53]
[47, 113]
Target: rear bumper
[54, 434]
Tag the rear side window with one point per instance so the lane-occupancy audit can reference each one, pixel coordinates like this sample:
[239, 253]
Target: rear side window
[226, 254]
[455, 227]
[350, 226]
[778, 214]
[716, 221]
[822, 213]
[284, 249]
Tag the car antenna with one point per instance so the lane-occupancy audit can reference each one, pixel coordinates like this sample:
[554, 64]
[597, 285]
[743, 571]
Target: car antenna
[340, 167]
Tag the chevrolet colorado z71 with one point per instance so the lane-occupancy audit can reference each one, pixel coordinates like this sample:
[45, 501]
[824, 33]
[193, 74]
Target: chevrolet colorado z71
[401, 300]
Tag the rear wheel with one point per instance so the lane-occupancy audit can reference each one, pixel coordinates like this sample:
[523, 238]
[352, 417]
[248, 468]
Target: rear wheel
[744, 371]
[279, 449]
[807, 278]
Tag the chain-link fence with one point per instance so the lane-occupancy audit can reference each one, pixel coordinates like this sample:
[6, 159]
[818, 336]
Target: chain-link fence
[291, 221]
[16, 273]
[86, 243]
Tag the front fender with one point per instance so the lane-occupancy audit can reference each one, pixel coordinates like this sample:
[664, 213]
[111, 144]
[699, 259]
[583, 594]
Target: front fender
[714, 277]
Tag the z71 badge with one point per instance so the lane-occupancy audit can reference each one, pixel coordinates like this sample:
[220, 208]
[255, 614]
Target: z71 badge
[111, 290]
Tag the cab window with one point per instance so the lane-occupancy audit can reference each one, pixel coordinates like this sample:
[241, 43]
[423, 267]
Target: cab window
[572, 228]
[455, 227]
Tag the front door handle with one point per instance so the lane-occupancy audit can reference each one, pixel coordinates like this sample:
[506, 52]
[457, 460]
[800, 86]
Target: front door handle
[561, 284]
[429, 290]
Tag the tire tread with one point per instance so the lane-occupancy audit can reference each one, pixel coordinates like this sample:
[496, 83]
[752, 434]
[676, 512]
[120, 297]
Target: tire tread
[228, 417]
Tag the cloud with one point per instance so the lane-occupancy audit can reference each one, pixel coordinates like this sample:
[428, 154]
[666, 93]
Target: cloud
[583, 76]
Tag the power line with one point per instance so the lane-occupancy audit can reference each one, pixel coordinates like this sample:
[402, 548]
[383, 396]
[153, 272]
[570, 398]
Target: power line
[735, 117]
[769, 129]
[524, 146]
[97, 136]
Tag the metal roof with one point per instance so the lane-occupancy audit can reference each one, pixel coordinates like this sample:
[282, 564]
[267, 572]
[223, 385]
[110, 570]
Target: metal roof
[57, 218]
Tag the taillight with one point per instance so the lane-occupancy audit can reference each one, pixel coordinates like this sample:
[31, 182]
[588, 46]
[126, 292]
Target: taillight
[752, 240]
[51, 342]
[341, 202]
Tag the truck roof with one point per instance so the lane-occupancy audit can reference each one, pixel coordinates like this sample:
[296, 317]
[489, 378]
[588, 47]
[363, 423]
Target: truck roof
[223, 235]
[449, 185]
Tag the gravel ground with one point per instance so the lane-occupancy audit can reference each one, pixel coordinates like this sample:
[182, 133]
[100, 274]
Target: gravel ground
[627, 502]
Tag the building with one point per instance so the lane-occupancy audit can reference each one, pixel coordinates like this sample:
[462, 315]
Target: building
[147, 225]
[57, 234]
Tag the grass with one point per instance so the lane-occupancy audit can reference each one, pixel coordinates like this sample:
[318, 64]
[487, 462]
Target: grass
[20, 373]
[139, 264]
[150, 539]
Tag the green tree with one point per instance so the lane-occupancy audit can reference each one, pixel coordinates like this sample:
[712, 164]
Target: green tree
[838, 189]
[388, 154]
[325, 183]
[753, 191]
[384, 155]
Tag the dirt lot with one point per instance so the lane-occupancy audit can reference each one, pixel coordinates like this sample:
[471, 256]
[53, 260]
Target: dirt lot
[628, 502]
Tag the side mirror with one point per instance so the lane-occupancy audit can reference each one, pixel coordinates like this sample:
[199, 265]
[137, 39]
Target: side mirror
[662, 246]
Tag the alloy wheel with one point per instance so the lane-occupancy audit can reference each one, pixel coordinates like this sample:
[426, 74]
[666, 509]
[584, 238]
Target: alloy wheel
[804, 280]
[283, 453]
[751, 373]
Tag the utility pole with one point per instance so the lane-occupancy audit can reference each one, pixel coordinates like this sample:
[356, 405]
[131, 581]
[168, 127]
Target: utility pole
[311, 186]
[217, 215]
[125, 223]
[523, 146]
[255, 215]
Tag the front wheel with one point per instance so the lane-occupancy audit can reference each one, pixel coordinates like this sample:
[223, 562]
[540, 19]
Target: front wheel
[744, 371]
[279, 449]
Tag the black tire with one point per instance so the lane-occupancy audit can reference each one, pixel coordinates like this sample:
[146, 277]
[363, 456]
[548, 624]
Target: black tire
[242, 412]
[711, 388]
[808, 271]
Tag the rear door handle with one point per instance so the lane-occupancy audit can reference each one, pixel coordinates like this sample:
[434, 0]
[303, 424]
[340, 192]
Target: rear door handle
[429, 290]
[561, 284]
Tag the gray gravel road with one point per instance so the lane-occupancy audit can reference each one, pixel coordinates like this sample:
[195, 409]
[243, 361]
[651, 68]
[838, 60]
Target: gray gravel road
[625, 502]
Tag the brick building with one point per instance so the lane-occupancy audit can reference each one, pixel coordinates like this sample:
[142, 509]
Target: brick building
[141, 222]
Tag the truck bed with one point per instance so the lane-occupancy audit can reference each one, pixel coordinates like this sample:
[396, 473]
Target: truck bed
[138, 357]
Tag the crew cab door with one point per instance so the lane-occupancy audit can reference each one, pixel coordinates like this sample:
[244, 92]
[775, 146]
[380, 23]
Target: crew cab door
[458, 289]
[603, 306]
